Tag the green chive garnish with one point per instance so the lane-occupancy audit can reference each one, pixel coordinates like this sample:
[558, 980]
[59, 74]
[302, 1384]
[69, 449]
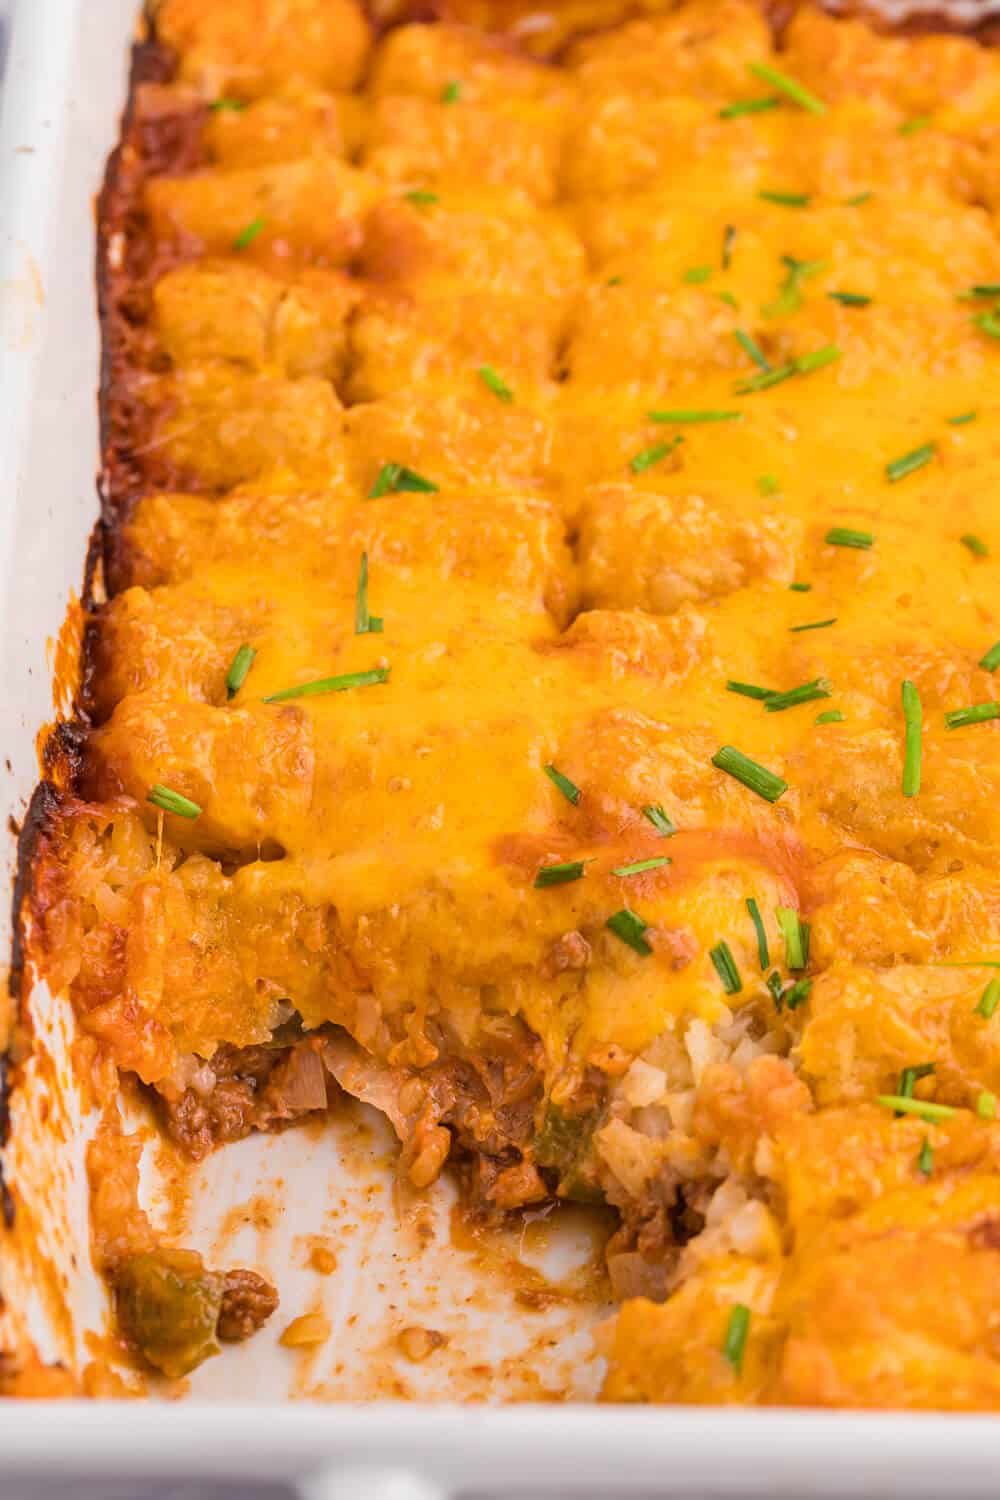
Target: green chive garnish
[989, 1000]
[749, 690]
[843, 536]
[820, 687]
[758, 778]
[798, 993]
[749, 107]
[857, 199]
[983, 289]
[976, 713]
[452, 92]
[613, 281]
[172, 802]
[342, 684]
[395, 479]
[900, 467]
[787, 200]
[641, 865]
[364, 623]
[684, 417]
[975, 544]
[654, 814]
[789, 298]
[697, 275]
[849, 299]
[570, 791]
[832, 716]
[497, 385]
[909, 1077]
[768, 484]
[761, 930]
[725, 967]
[755, 352]
[421, 197]
[813, 625]
[800, 588]
[796, 935]
[961, 419]
[729, 300]
[630, 928]
[650, 456]
[238, 669]
[737, 1329]
[776, 985]
[790, 87]
[218, 105]
[989, 322]
[991, 660]
[922, 1108]
[247, 235]
[925, 1161]
[728, 241]
[805, 364]
[559, 874]
[911, 127]
[913, 720]
[986, 1105]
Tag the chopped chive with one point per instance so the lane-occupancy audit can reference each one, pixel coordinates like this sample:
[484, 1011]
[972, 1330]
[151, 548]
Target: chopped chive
[725, 966]
[776, 985]
[559, 874]
[911, 127]
[768, 484]
[832, 716]
[983, 289]
[756, 777]
[910, 1076]
[729, 300]
[631, 929]
[813, 625]
[991, 660]
[342, 684]
[843, 536]
[820, 687]
[803, 365]
[798, 993]
[654, 813]
[452, 92]
[728, 241]
[421, 197]
[238, 669]
[989, 999]
[989, 322]
[800, 588]
[497, 385]
[218, 105]
[986, 1105]
[650, 456]
[976, 713]
[248, 234]
[749, 107]
[749, 690]
[761, 930]
[737, 1329]
[790, 87]
[796, 936]
[613, 281]
[641, 865]
[789, 298]
[364, 623]
[849, 299]
[922, 1108]
[568, 788]
[975, 544]
[900, 467]
[925, 1161]
[913, 720]
[173, 802]
[697, 275]
[685, 417]
[755, 352]
[858, 199]
[961, 419]
[397, 479]
[787, 200]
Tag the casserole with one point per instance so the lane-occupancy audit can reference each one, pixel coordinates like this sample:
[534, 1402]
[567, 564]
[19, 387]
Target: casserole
[15, 1137]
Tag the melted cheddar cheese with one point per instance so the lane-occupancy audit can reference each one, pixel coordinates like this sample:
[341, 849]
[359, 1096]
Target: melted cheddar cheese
[602, 392]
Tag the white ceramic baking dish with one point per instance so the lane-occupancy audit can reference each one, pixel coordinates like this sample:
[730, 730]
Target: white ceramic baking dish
[64, 86]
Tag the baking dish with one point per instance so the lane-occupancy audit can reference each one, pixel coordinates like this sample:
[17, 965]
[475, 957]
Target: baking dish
[49, 359]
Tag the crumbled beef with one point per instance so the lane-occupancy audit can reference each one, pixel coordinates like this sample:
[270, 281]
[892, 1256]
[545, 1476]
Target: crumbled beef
[247, 1303]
